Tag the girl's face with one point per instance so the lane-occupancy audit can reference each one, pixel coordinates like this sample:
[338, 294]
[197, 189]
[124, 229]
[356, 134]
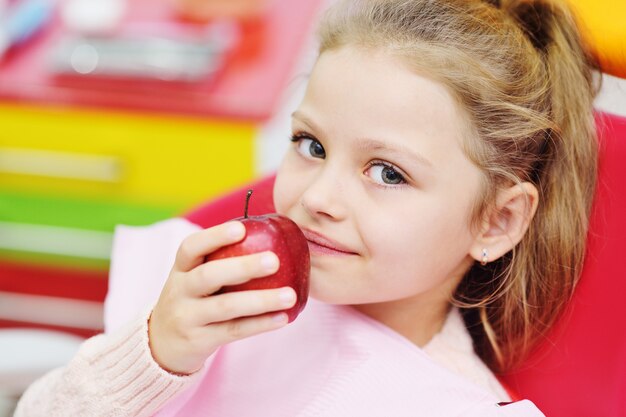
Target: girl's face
[377, 179]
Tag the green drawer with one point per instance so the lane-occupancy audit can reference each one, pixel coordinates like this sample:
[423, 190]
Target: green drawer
[66, 231]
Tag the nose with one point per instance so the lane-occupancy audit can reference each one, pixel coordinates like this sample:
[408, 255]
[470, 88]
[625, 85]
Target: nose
[324, 197]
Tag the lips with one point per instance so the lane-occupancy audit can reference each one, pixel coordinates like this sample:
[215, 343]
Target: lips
[322, 244]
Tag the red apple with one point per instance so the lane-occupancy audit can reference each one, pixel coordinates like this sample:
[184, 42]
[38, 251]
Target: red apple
[279, 234]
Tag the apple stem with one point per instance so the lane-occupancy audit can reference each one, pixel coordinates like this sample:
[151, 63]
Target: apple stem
[245, 213]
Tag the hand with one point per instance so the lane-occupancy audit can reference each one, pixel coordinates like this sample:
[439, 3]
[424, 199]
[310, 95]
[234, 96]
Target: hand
[190, 321]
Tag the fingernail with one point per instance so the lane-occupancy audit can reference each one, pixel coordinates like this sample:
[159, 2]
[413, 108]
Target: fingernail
[287, 297]
[235, 230]
[280, 318]
[269, 262]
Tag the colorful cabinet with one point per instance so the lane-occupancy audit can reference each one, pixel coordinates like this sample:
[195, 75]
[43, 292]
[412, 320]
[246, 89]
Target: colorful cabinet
[76, 160]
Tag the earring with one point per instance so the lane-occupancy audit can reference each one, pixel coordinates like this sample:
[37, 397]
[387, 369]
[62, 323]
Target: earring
[485, 258]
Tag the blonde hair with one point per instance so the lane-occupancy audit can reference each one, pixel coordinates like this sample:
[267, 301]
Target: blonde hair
[526, 85]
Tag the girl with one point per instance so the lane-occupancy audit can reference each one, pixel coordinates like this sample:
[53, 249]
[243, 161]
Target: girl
[442, 169]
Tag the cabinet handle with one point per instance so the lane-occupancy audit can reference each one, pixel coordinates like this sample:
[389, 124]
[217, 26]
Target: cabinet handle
[58, 164]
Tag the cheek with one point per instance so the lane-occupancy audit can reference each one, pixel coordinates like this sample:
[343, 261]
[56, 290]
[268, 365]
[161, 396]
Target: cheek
[286, 188]
[419, 249]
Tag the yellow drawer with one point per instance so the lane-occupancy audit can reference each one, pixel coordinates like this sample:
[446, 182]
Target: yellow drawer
[150, 159]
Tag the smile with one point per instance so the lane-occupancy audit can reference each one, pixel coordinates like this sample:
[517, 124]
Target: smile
[322, 245]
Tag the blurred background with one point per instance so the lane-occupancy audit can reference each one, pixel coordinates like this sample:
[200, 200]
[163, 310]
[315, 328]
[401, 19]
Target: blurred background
[130, 112]
[124, 112]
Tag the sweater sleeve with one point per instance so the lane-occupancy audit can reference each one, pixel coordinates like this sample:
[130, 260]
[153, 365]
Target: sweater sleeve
[111, 375]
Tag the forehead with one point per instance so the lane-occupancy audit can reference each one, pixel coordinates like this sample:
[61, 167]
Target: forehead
[355, 92]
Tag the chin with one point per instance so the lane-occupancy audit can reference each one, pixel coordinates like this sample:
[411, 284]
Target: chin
[329, 295]
[323, 293]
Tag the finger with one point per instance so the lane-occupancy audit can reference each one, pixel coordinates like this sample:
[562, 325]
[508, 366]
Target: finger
[195, 247]
[209, 277]
[238, 304]
[229, 331]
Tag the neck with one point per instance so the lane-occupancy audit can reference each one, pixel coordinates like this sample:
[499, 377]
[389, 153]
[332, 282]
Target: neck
[417, 321]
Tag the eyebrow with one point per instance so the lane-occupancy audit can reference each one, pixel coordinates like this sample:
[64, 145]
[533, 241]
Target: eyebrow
[369, 144]
[375, 145]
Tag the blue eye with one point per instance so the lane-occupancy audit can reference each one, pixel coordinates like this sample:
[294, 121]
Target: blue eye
[385, 174]
[308, 146]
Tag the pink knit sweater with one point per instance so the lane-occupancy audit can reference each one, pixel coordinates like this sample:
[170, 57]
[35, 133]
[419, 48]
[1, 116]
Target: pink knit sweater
[331, 361]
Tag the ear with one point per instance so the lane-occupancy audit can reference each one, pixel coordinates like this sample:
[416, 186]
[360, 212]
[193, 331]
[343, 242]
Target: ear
[505, 223]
